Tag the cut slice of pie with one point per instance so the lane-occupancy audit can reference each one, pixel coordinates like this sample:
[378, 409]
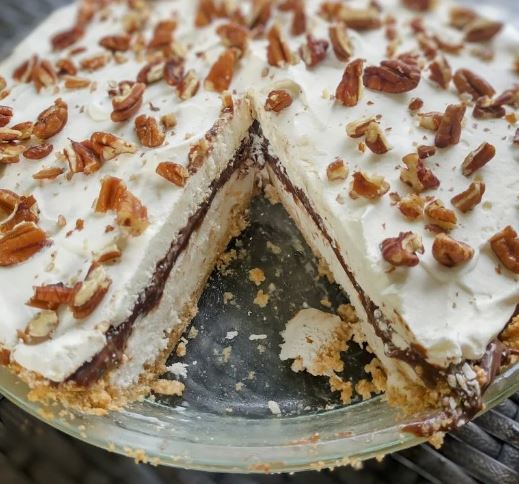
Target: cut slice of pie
[133, 141]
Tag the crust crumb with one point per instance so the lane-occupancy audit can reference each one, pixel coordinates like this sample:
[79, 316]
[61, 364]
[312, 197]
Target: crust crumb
[261, 299]
[168, 387]
[257, 276]
[271, 194]
[344, 387]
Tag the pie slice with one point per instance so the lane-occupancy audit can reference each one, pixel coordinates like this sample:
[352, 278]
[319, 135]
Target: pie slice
[134, 140]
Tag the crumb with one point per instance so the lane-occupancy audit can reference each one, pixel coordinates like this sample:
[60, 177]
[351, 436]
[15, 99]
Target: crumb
[275, 249]
[231, 335]
[222, 265]
[326, 302]
[254, 337]
[181, 349]
[345, 388]
[193, 333]
[437, 440]
[365, 389]
[374, 368]
[45, 414]
[257, 276]
[274, 407]
[251, 375]
[178, 369]
[261, 299]
[271, 194]
[261, 349]
[227, 297]
[324, 271]
[226, 353]
[168, 387]
[239, 386]
[510, 336]
[347, 313]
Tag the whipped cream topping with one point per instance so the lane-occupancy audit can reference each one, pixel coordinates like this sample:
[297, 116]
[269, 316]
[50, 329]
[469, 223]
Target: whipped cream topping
[452, 313]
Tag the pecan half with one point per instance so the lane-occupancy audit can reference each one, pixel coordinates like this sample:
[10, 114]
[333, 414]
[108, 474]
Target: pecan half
[107, 146]
[412, 206]
[151, 72]
[376, 140]
[44, 75]
[149, 132]
[469, 82]
[51, 121]
[482, 30]
[440, 72]
[341, 42]
[278, 100]
[128, 103]
[278, 50]
[15, 209]
[51, 296]
[173, 172]
[450, 252]
[449, 131]
[392, 76]
[417, 175]
[468, 199]
[48, 173]
[115, 43]
[188, 85]
[350, 88]
[38, 152]
[234, 35]
[401, 251]
[505, 245]
[478, 158]
[40, 328]
[314, 51]
[6, 114]
[21, 243]
[368, 186]
[89, 293]
[222, 71]
[337, 170]
[441, 216]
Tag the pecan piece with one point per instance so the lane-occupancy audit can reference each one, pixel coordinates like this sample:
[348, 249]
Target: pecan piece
[441, 216]
[173, 72]
[188, 85]
[337, 170]
[392, 76]
[173, 172]
[278, 51]
[468, 82]
[472, 196]
[412, 206]
[51, 121]
[440, 72]
[205, 13]
[478, 158]
[360, 18]
[149, 132]
[66, 66]
[482, 30]
[38, 152]
[359, 128]
[75, 82]
[450, 252]
[40, 328]
[449, 130]
[162, 36]
[278, 100]
[314, 51]
[51, 296]
[23, 73]
[8, 134]
[48, 173]
[415, 104]
[94, 63]
[376, 140]
[425, 151]
[485, 108]
[401, 251]
[44, 75]
[82, 158]
[21, 243]
[10, 153]
[417, 175]
[368, 186]
[222, 71]
[89, 293]
[68, 37]
[350, 88]
[115, 43]
[198, 153]
[419, 5]
[505, 246]
[151, 72]
[15, 209]
[128, 103]
[341, 42]
[25, 128]
[460, 16]
[6, 114]
[107, 146]
[234, 35]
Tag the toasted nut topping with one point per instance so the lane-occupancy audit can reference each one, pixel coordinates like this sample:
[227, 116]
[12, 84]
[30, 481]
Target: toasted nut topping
[188, 86]
[415, 104]
[151, 72]
[115, 43]
[173, 172]
[128, 103]
[485, 108]
[449, 131]
[450, 252]
[51, 121]
[278, 100]
[358, 129]
[21, 243]
[314, 51]
[478, 158]
[66, 38]
[149, 132]
[412, 206]
[44, 75]
[15, 209]
[40, 328]
[468, 82]
[417, 175]
[341, 43]
[350, 88]
[234, 35]
[8, 134]
[222, 71]
[471, 197]
[460, 17]
[82, 158]
[482, 30]
[107, 146]
[10, 153]
[74, 82]
[368, 186]
[51, 296]
[23, 73]
[278, 51]
[441, 72]
[375, 139]
[198, 153]
[89, 294]
[392, 76]
[441, 216]
[430, 121]
[419, 5]
[38, 152]
[505, 245]
[94, 62]
[48, 173]
[66, 66]
[401, 251]
[337, 170]
[6, 113]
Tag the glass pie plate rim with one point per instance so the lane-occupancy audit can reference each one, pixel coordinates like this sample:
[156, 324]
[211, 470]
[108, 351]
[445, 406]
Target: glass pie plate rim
[189, 439]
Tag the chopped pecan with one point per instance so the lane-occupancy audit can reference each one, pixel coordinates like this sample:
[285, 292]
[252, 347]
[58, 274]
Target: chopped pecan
[260, 15]
[68, 37]
[44, 75]
[75, 82]
[107, 146]
[173, 72]
[392, 76]
[419, 5]
[151, 72]
[450, 252]
[472, 196]
[482, 29]
[510, 97]
[149, 132]
[94, 63]
[40, 328]
[38, 152]
[10, 153]
[25, 128]
[358, 129]
[23, 73]
[350, 88]
[440, 72]
[505, 245]
[341, 42]
[173, 172]
[314, 51]
[412, 206]
[21, 243]
[278, 51]
[515, 139]
[168, 121]
[234, 35]
[430, 121]
[222, 71]
[337, 170]
[449, 131]
[299, 21]
[425, 151]
[15, 209]
[376, 140]
[188, 85]
[128, 102]
[51, 121]
[359, 18]
[82, 158]
[198, 153]
[460, 16]
[478, 158]
[115, 43]
[48, 173]
[485, 108]
[51, 296]
[278, 100]
[227, 103]
[401, 251]
[368, 186]
[112, 190]
[89, 293]
[415, 104]
[109, 254]
[163, 36]
[417, 175]
[440, 216]
[205, 13]
[6, 114]
[469, 82]
[8, 134]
